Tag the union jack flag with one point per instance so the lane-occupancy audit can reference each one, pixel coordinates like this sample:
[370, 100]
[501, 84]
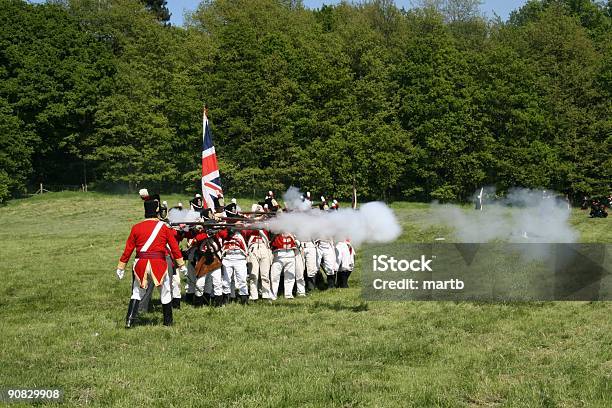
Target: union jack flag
[211, 180]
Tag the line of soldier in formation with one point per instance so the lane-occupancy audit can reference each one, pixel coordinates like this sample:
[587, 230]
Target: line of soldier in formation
[230, 262]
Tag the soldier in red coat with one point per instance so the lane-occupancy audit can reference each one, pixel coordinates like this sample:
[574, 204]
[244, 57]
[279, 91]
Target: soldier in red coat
[284, 248]
[149, 238]
[259, 261]
[234, 260]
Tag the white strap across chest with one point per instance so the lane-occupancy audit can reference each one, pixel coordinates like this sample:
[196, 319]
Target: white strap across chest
[147, 244]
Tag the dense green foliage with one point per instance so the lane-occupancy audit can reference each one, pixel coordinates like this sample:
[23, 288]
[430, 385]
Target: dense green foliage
[427, 103]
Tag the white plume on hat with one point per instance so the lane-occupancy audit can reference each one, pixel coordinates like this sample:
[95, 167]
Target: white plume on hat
[198, 195]
[322, 198]
[234, 200]
[143, 192]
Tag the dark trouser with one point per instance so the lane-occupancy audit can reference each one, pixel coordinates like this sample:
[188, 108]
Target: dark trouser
[145, 304]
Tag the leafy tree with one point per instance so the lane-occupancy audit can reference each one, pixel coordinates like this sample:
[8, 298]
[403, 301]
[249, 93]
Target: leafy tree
[52, 75]
[427, 103]
[15, 153]
[159, 9]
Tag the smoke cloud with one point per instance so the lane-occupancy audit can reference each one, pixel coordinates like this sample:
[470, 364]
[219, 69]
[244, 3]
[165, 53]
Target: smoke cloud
[178, 216]
[293, 200]
[522, 216]
[373, 222]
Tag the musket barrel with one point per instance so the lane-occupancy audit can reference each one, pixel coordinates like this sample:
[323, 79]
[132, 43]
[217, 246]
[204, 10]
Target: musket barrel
[218, 225]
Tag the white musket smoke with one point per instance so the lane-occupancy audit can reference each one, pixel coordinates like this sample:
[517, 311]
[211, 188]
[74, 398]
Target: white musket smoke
[373, 222]
[522, 216]
[293, 200]
[176, 216]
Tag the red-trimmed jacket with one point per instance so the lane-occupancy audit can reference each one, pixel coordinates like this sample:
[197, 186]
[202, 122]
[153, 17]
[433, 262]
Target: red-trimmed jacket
[235, 241]
[149, 238]
[283, 241]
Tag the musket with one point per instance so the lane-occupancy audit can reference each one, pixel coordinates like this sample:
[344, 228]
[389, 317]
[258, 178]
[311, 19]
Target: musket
[218, 225]
[244, 219]
[176, 224]
[270, 214]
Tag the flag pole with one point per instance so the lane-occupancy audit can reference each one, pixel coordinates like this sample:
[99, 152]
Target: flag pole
[204, 119]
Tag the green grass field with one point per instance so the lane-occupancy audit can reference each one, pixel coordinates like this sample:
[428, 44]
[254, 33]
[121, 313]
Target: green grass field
[62, 313]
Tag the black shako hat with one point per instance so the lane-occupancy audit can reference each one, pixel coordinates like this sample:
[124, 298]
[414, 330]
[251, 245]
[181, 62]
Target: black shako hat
[151, 208]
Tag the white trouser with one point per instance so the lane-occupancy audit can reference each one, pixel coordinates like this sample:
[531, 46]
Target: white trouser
[165, 289]
[176, 286]
[284, 262]
[310, 258]
[326, 257]
[260, 259]
[235, 266]
[299, 273]
[175, 279]
[210, 283]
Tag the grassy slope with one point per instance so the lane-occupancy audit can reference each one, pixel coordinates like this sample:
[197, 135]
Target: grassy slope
[62, 310]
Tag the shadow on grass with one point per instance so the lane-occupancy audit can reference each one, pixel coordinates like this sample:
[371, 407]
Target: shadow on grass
[340, 307]
[149, 319]
[318, 305]
[154, 314]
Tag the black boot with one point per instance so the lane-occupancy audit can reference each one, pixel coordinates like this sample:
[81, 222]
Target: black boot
[132, 313]
[343, 279]
[310, 283]
[244, 299]
[176, 303]
[331, 281]
[189, 298]
[225, 299]
[346, 278]
[338, 279]
[167, 309]
[206, 299]
[217, 301]
[198, 301]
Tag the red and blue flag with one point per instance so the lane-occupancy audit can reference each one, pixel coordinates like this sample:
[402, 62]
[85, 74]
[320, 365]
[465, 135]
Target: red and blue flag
[211, 180]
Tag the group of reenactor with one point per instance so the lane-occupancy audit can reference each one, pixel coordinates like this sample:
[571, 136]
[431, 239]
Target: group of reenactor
[598, 206]
[226, 256]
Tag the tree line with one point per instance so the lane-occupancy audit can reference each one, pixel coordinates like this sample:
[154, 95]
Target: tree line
[419, 104]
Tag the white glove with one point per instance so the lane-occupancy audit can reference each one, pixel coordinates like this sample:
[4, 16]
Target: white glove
[120, 273]
[183, 269]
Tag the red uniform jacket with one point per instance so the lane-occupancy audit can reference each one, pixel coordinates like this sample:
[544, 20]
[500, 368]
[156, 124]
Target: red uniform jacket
[149, 238]
[283, 241]
[207, 243]
[256, 236]
[178, 237]
[233, 242]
